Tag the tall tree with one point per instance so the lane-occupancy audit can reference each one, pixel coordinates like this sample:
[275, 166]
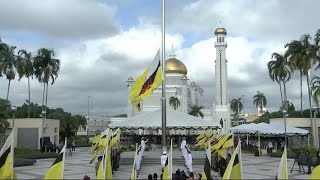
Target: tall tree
[174, 102]
[4, 114]
[25, 69]
[196, 111]
[315, 89]
[8, 61]
[45, 68]
[260, 101]
[279, 71]
[236, 106]
[301, 55]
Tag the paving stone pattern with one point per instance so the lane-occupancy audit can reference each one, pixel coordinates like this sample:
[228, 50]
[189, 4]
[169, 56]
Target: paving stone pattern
[77, 166]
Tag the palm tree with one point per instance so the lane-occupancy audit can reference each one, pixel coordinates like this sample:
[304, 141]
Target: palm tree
[279, 71]
[317, 47]
[45, 68]
[25, 68]
[301, 55]
[8, 63]
[196, 111]
[315, 89]
[174, 102]
[236, 106]
[260, 101]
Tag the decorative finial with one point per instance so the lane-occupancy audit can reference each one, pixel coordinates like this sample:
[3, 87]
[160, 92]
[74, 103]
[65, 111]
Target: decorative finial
[220, 24]
[172, 55]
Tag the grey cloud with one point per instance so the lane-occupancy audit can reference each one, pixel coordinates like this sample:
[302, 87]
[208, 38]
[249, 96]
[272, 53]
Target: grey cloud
[58, 18]
[280, 20]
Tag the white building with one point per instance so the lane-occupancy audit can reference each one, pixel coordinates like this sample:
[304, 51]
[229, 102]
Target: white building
[190, 94]
[28, 132]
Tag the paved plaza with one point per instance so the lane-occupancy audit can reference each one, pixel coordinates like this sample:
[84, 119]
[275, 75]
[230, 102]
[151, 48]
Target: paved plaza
[77, 165]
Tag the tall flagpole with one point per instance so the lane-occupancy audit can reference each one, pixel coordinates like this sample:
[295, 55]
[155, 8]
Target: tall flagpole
[163, 100]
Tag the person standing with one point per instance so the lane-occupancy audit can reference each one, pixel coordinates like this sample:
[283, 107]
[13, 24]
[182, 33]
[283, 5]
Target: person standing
[309, 161]
[189, 161]
[183, 147]
[143, 146]
[73, 146]
[138, 159]
[163, 159]
[269, 147]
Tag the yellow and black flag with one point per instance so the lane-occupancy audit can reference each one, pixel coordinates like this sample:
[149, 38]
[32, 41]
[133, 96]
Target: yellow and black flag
[105, 169]
[206, 174]
[147, 82]
[6, 159]
[57, 168]
[234, 168]
[166, 171]
[134, 173]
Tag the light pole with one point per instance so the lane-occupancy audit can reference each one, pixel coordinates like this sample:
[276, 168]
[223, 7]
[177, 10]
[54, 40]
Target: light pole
[43, 114]
[285, 125]
[88, 118]
[13, 109]
[315, 136]
[244, 113]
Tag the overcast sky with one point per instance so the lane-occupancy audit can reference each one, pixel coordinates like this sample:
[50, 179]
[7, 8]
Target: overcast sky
[102, 42]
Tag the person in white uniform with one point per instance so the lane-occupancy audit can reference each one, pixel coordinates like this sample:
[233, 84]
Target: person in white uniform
[163, 159]
[189, 161]
[143, 146]
[138, 159]
[183, 147]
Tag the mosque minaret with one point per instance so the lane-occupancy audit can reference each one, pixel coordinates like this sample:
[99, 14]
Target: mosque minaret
[221, 106]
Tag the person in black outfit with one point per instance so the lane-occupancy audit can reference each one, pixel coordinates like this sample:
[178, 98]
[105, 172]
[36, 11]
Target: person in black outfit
[309, 161]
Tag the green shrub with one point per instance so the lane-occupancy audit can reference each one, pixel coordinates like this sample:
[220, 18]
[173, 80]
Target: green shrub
[18, 162]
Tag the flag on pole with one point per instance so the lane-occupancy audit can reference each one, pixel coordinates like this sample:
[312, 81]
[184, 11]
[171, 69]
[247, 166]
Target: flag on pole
[134, 173]
[99, 147]
[147, 82]
[57, 168]
[166, 171]
[170, 167]
[6, 159]
[282, 169]
[234, 168]
[315, 173]
[105, 169]
[206, 174]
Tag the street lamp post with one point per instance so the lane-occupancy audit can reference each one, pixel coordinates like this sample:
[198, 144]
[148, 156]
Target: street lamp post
[315, 131]
[13, 109]
[42, 130]
[285, 125]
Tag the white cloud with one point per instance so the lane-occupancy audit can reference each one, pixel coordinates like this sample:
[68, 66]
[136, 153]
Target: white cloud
[71, 18]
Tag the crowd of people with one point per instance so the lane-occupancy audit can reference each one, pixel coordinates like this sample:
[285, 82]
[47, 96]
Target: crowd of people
[178, 175]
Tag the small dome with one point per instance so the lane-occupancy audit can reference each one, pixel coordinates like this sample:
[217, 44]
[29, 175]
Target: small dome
[220, 30]
[184, 77]
[130, 79]
[173, 65]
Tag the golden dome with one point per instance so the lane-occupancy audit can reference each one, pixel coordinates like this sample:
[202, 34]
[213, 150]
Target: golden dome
[173, 65]
[220, 30]
[130, 79]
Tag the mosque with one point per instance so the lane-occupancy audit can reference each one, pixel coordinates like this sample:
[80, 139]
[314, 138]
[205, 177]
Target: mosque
[191, 94]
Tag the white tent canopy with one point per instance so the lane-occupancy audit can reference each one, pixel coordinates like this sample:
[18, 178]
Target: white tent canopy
[268, 129]
[175, 120]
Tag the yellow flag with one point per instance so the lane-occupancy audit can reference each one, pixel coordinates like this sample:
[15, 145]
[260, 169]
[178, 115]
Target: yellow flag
[315, 173]
[282, 169]
[6, 156]
[57, 168]
[147, 82]
[166, 171]
[234, 168]
[206, 174]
